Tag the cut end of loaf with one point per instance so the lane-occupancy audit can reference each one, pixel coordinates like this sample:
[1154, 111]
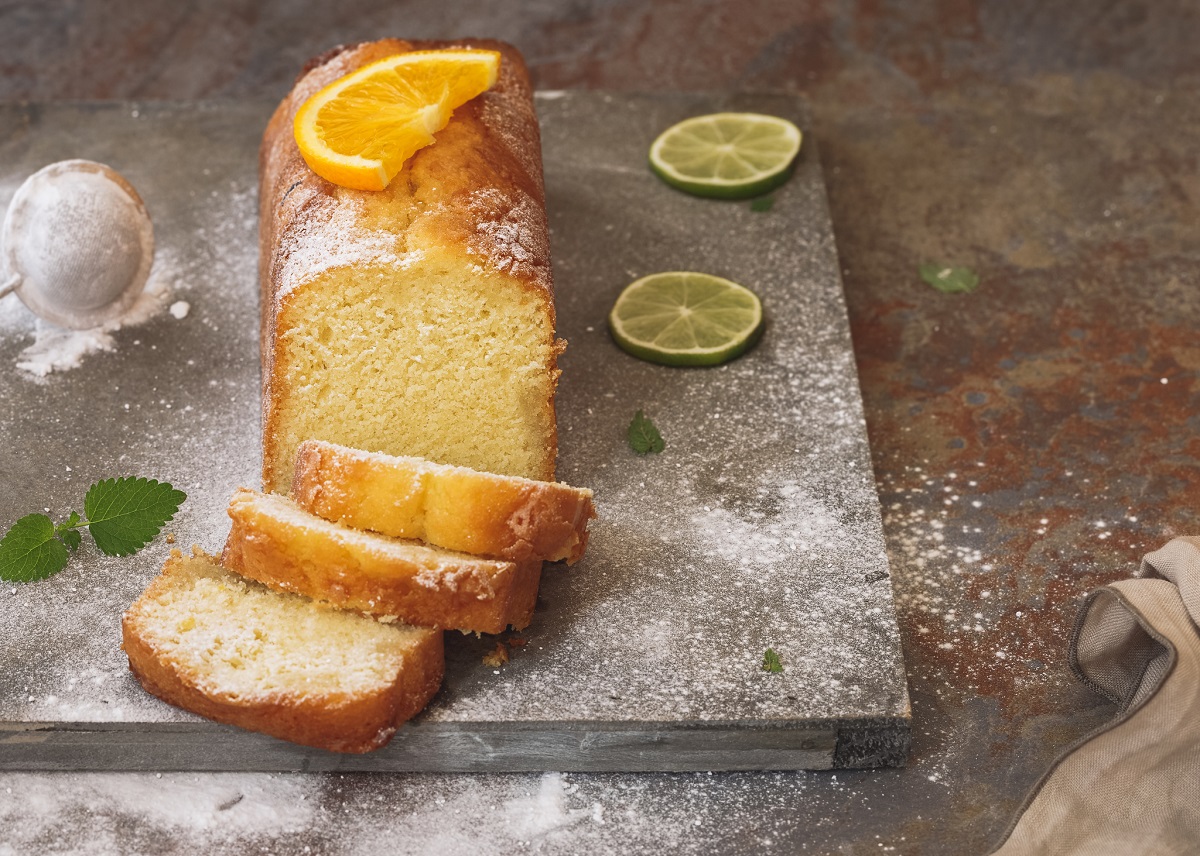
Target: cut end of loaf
[230, 649]
[426, 361]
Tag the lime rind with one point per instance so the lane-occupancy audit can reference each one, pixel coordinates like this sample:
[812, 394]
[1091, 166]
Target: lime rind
[727, 155]
[684, 318]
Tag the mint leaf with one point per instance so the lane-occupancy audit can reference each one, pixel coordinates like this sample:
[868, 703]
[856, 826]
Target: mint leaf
[643, 436]
[763, 203]
[949, 280]
[69, 532]
[771, 662]
[29, 551]
[72, 538]
[123, 515]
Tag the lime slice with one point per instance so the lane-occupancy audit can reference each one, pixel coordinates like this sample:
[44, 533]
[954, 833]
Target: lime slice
[679, 318]
[727, 155]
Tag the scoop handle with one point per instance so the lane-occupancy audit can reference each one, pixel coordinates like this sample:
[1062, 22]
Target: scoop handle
[10, 286]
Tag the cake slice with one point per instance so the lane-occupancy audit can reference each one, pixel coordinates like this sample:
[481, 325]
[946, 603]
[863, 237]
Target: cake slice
[206, 640]
[419, 319]
[277, 543]
[453, 507]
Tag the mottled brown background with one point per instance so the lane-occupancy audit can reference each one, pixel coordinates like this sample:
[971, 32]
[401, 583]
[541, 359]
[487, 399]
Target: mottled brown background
[1031, 440]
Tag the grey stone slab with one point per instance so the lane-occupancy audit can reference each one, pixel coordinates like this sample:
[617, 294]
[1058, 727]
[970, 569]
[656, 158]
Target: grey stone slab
[758, 526]
[468, 748]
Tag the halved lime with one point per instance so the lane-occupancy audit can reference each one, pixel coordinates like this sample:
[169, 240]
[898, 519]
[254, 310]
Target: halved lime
[681, 318]
[727, 155]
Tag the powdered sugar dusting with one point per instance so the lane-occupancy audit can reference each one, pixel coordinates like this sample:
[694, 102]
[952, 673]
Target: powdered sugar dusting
[208, 812]
[175, 400]
[554, 814]
[331, 235]
[757, 527]
[756, 540]
[55, 349]
[508, 234]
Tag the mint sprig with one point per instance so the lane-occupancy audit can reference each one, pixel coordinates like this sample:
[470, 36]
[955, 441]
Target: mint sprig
[643, 435]
[949, 280]
[123, 516]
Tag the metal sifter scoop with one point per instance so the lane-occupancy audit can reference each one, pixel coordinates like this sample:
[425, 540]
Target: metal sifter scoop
[78, 244]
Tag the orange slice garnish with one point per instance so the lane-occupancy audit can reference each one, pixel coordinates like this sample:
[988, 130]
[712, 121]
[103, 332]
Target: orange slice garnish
[359, 130]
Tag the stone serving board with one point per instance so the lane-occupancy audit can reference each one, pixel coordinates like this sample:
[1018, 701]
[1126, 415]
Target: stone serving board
[758, 527]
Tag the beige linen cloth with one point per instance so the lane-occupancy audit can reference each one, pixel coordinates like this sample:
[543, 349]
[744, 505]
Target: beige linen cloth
[1133, 786]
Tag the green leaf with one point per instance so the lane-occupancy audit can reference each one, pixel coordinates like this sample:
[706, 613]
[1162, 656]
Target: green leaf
[949, 280]
[763, 203]
[125, 514]
[69, 532]
[771, 662]
[29, 551]
[643, 436]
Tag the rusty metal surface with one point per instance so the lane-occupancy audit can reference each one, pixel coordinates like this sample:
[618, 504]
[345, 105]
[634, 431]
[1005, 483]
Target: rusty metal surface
[1030, 440]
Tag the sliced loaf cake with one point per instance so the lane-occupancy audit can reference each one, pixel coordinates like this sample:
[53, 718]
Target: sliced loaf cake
[457, 508]
[208, 641]
[277, 543]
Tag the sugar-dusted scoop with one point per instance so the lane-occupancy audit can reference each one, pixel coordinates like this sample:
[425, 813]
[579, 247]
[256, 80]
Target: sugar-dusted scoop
[78, 244]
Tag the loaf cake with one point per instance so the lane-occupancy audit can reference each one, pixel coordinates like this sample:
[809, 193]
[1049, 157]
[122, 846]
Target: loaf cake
[416, 320]
[457, 508]
[274, 541]
[213, 643]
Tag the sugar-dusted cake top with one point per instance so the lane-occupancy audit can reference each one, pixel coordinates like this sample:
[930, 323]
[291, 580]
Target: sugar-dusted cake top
[478, 189]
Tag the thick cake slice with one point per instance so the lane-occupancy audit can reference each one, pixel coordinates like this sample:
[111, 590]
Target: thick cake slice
[277, 543]
[416, 320]
[234, 651]
[453, 507]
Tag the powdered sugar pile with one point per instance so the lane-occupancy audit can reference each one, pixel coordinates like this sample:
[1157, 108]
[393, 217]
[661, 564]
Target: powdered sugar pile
[55, 349]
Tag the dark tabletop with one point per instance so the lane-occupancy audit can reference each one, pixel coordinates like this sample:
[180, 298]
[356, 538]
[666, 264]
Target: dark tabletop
[1031, 440]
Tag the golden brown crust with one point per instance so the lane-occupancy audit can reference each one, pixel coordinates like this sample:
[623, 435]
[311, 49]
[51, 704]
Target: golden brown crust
[332, 564]
[477, 192]
[358, 723]
[452, 507]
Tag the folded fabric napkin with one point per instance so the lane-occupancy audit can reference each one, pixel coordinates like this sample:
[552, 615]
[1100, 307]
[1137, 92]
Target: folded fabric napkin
[1133, 786]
